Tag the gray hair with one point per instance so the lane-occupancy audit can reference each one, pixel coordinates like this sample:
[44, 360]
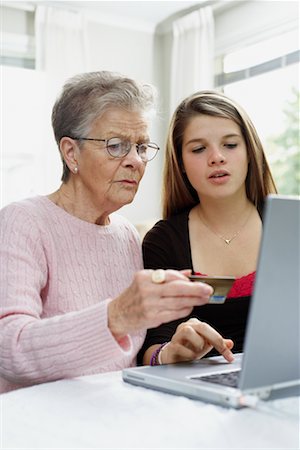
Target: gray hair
[87, 96]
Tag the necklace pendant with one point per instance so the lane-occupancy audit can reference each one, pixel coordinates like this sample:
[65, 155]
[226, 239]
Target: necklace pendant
[227, 241]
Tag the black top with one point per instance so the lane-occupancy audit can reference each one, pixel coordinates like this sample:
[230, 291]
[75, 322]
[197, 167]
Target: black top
[167, 246]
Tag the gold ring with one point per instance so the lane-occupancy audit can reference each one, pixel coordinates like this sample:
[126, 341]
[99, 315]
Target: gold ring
[158, 276]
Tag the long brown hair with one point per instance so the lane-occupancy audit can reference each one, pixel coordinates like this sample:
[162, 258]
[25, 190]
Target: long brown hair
[178, 193]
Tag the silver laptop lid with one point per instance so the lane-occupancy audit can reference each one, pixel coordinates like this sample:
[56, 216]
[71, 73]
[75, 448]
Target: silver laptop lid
[271, 357]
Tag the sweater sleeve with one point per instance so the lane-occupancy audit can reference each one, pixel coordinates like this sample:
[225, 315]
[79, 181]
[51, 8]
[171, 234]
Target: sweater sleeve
[34, 348]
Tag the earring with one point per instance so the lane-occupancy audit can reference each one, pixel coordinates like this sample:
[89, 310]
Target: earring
[75, 170]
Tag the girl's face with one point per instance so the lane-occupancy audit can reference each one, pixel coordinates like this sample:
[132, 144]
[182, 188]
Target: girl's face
[215, 156]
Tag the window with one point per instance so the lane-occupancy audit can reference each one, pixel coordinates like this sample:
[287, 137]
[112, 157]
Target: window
[264, 79]
[17, 36]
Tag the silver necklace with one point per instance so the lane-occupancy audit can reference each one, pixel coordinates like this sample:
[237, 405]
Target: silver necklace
[227, 241]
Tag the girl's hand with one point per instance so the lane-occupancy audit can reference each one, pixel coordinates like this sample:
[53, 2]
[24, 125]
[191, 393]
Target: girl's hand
[192, 340]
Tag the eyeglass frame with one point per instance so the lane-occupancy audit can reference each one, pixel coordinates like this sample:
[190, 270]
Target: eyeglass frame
[131, 144]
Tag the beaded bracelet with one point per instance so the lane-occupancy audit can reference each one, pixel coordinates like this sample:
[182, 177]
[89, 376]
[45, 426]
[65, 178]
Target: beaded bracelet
[160, 353]
[155, 360]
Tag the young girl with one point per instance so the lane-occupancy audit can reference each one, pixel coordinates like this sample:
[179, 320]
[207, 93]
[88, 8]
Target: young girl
[216, 178]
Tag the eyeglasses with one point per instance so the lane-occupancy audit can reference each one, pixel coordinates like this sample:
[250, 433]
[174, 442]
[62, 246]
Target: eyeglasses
[118, 148]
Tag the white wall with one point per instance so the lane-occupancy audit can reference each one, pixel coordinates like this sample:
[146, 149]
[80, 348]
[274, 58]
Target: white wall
[24, 134]
[245, 21]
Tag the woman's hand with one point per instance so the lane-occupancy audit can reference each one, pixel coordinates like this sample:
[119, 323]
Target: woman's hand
[147, 304]
[192, 340]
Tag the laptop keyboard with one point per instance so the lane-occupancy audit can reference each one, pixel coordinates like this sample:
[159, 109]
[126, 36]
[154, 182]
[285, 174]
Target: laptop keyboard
[227, 379]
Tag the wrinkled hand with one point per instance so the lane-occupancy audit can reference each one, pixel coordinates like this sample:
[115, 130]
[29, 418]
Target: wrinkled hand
[193, 339]
[145, 304]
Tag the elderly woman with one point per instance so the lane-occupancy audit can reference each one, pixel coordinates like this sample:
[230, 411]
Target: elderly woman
[75, 299]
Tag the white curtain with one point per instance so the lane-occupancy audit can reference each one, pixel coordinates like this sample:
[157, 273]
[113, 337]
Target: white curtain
[61, 47]
[61, 52]
[192, 67]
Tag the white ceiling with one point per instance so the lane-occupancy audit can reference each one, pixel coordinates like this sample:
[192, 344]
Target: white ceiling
[148, 12]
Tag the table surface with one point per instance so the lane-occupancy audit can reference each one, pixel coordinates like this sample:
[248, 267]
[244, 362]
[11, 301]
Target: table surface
[103, 412]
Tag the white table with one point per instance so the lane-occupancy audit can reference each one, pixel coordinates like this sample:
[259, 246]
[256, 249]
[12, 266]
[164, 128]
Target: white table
[103, 412]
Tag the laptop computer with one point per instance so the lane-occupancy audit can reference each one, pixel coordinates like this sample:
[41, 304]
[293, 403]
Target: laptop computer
[269, 367]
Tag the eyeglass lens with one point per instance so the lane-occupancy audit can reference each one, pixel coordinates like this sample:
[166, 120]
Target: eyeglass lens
[118, 148]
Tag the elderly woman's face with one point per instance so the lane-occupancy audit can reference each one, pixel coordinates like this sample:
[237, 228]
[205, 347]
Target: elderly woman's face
[105, 180]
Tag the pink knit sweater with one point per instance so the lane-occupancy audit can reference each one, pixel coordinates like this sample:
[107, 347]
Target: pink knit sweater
[57, 275]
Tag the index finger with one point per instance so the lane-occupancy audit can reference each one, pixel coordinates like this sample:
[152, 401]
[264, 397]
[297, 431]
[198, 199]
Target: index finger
[215, 339]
